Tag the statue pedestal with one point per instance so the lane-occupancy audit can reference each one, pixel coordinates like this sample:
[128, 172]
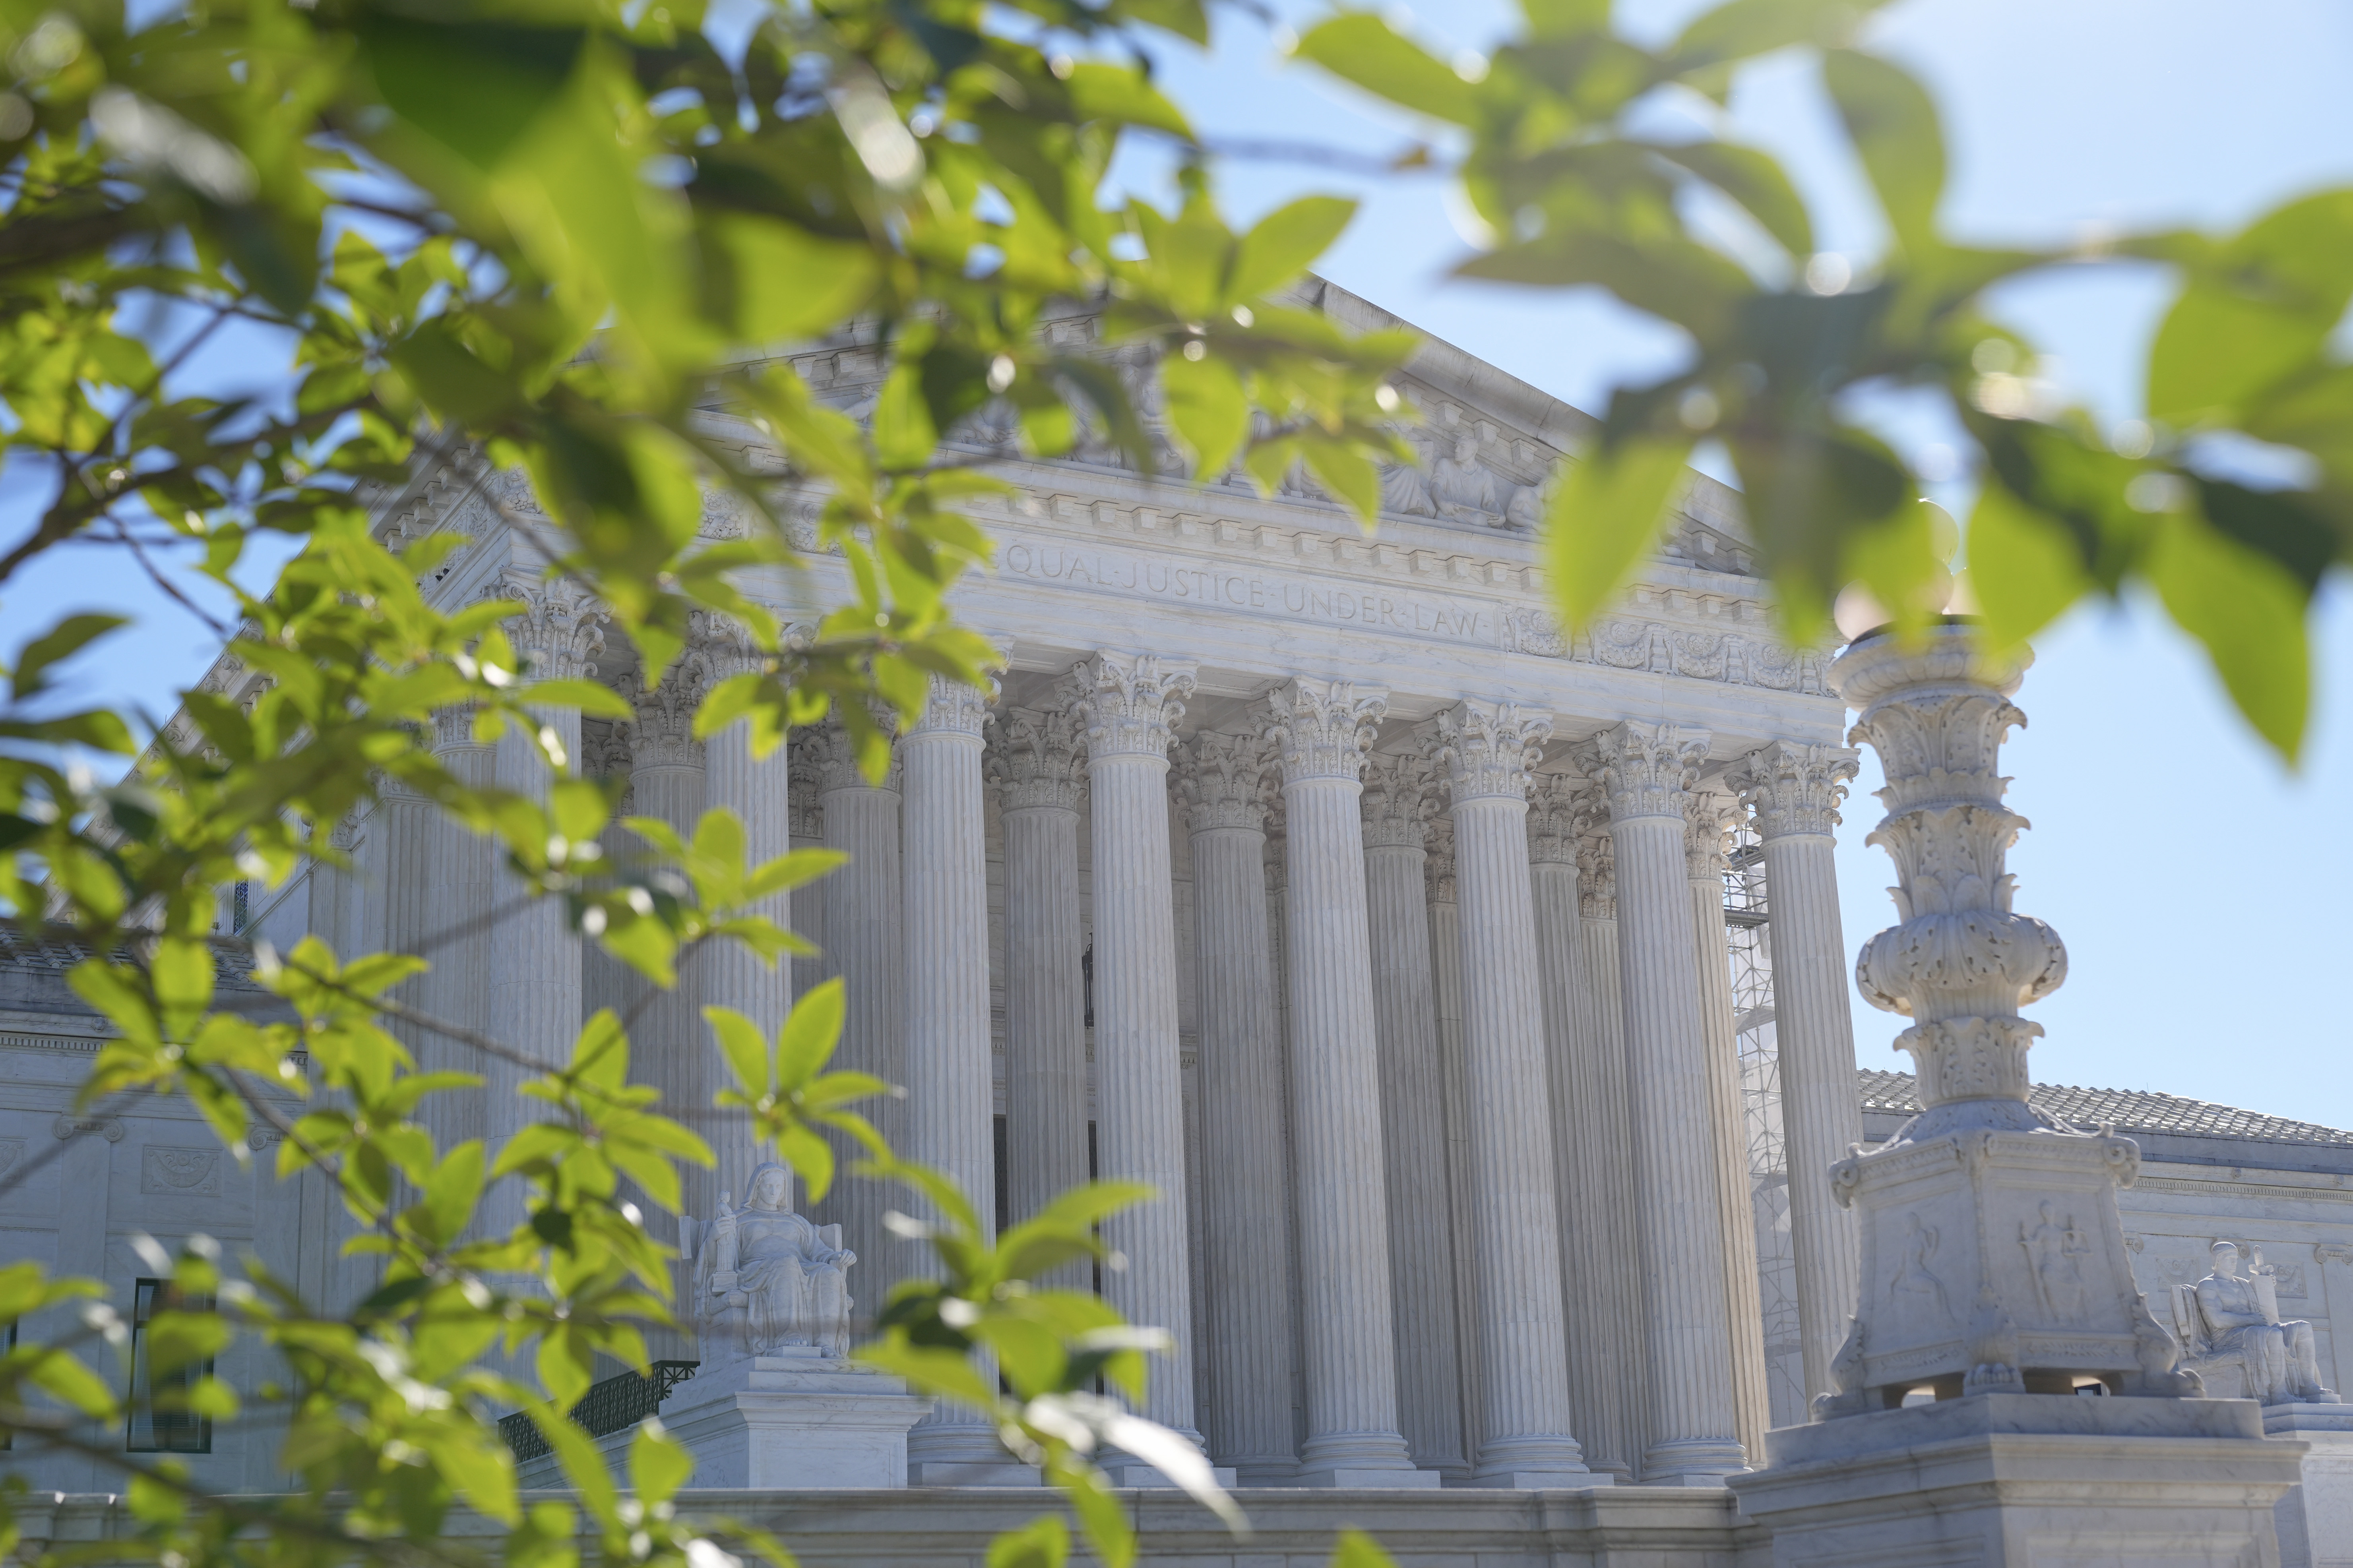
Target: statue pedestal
[796, 1419]
[2007, 1481]
[2316, 1519]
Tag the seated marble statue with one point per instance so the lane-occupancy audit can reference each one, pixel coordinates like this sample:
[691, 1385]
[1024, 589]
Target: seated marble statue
[2238, 1315]
[765, 1277]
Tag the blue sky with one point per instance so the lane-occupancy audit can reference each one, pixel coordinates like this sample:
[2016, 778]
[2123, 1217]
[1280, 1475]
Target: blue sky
[2199, 887]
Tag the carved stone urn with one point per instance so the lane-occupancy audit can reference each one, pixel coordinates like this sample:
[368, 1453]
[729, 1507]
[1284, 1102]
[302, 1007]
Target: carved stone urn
[1993, 1258]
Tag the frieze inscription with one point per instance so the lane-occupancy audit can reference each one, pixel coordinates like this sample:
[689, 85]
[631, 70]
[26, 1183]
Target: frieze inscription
[1382, 609]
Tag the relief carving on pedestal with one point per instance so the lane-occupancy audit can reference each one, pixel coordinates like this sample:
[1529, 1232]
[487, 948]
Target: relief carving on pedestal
[1914, 1285]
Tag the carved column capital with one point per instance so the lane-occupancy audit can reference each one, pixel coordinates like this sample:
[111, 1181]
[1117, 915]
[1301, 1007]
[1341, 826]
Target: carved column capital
[1553, 801]
[110, 1128]
[662, 733]
[1397, 801]
[954, 708]
[1223, 781]
[562, 628]
[1708, 821]
[804, 779]
[1437, 864]
[1644, 769]
[1794, 787]
[1485, 750]
[1130, 703]
[1321, 729]
[1596, 876]
[833, 756]
[1038, 758]
[453, 727]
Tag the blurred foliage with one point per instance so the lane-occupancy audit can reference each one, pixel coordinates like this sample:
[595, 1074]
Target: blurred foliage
[551, 235]
[545, 238]
[2231, 500]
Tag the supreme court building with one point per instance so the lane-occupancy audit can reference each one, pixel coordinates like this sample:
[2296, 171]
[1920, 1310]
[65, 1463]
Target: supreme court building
[1317, 878]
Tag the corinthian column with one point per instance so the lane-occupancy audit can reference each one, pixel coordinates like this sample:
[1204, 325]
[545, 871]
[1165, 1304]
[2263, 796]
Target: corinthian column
[803, 750]
[1321, 730]
[864, 938]
[669, 1044]
[950, 1110]
[1580, 1121]
[1485, 749]
[1605, 1147]
[1707, 822]
[1413, 1111]
[1441, 887]
[534, 961]
[1794, 789]
[1694, 1434]
[1130, 703]
[1038, 761]
[758, 790]
[460, 883]
[1245, 1188]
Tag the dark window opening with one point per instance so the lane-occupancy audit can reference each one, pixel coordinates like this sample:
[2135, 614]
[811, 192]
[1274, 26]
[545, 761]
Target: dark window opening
[161, 1421]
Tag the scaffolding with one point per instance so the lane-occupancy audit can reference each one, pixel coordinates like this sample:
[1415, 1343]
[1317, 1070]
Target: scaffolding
[1748, 932]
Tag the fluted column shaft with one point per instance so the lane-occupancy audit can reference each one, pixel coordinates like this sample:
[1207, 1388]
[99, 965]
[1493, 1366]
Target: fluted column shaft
[805, 817]
[460, 880]
[1321, 730]
[1591, 1297]
[1038, 761]
[1245, 1189]
[1527, 1439]
[669, 1042]
[1413, 1115]
[1455, 1086]
[1794, 791]
[1605, 1159]
[1693, 1434]
[1706, 819]
[950, 1102]
[758, 790]
[534, 959]
[865, 946]
[1130, 703]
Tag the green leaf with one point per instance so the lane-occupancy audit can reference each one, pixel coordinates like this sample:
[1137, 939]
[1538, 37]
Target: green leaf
[1347, 474]
[1285, 243]
[473, 87]
[771, 282]
[1043, 1542]
[2025, 569]
[1893, 122]
[1354, 1549]
[2249, 613]
[1361, 48]
[810, 1033]
[2262, 308]
[1609, 510]
[745, 1047]
[1756, 181]
[58, 644]
[1208, 409]
[1744, 30]
[659, 1464]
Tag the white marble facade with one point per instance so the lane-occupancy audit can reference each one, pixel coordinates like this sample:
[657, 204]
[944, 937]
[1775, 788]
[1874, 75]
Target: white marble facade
[1315, 878]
